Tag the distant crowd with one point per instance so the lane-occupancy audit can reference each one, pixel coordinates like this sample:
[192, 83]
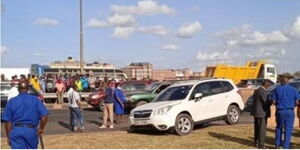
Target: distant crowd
[49, 83]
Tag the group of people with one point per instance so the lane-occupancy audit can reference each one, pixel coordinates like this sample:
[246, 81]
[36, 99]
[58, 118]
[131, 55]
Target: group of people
[26, 116]
[57, 84]
[285, 98]
[113, 104]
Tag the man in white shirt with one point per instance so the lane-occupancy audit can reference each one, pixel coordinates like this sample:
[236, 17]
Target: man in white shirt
[13, 92]
[76, 116]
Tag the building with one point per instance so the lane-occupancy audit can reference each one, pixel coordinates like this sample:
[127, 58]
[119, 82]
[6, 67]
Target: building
[72, 67]
[138, 71]
[182, 74]
[162, 75]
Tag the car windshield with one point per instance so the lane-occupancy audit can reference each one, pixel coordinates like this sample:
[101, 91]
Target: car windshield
[174, 93]
[133, 86]
[151, 87]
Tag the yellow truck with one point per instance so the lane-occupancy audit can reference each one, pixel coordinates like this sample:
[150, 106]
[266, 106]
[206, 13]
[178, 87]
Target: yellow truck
[252, 70]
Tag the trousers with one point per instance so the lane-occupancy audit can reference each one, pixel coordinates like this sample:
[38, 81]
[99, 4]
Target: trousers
[23, 138]
[76, 117]
[60, 97]
[260, 125]
[284, 126]
[108, 112]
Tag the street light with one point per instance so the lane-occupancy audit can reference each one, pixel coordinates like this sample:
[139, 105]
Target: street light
[81, 39]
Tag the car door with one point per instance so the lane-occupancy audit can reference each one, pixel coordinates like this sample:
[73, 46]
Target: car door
[216, 99]
[201, 108]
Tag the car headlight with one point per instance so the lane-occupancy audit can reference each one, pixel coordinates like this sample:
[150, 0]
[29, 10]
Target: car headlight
[162, 110]
[128, 98]
[131, 113]
[95, 96]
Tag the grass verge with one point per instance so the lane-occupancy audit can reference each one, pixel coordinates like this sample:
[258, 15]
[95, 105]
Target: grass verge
[237, 136]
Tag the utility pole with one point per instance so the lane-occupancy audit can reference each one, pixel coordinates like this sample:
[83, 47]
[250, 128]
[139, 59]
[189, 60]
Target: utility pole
[81, 39]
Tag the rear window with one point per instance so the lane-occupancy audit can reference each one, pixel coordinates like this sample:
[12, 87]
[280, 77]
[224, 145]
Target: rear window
[216, 87]
[227, 86]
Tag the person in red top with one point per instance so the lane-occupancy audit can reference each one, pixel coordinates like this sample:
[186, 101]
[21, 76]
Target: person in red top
[60, 89]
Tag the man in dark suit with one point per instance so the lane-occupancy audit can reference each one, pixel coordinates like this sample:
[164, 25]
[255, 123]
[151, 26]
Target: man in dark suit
[260, 112]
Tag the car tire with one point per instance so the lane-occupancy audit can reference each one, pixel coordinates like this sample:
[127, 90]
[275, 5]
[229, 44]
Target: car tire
[233, 115]
[142, 102]
[131, 130]
[101, 106]
[184, 124]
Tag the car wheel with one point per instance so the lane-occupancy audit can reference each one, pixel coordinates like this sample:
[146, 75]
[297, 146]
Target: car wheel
[184, 124]
[142, 102]
[233, 115]
[131, 129]
[101, 106]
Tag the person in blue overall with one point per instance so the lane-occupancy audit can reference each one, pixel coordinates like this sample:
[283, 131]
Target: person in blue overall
[120, 99]
[25, 116]
[285, 98]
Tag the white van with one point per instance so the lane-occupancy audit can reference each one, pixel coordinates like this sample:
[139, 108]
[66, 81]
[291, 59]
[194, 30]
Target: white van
[184, 104]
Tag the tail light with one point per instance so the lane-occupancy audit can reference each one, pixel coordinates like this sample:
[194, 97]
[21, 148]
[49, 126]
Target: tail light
[239, 92]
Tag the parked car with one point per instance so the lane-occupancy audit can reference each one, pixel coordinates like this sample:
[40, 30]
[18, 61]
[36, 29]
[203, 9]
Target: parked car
[252, 83]
[185, 104]
[296, 79]
[295, 84]
[129, 88]
[5, 86]
[151, 91]
[97, 100]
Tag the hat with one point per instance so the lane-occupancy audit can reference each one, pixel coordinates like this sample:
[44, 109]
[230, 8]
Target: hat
[287, 75]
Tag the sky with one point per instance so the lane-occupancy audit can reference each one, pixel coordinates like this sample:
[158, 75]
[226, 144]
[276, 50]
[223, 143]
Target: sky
[170, 34]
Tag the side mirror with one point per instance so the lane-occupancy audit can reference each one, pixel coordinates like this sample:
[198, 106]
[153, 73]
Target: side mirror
[198, 96]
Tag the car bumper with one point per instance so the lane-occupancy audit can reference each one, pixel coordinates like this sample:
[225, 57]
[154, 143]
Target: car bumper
[159, 122]
[92, 102]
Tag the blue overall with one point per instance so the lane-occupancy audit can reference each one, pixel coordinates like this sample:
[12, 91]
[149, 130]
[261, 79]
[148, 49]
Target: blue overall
[25, 110]
[119, 110]
[285, 97]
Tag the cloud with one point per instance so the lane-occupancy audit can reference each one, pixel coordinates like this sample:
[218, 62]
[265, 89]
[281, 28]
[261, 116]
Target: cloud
[95, 23]
[121, 20]
[213, 56]
[4, 49]
[189, 30]
[294, 30]
[45, 22]
[145, 7]
[246, 36]
[123, 32]
[170, 47]
[157, 30]
[38, 54]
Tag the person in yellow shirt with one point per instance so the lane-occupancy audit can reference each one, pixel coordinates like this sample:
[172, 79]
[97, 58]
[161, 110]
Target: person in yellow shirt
[35, 83]
[78, 83]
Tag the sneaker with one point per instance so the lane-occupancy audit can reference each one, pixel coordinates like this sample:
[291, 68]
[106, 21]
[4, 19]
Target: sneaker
[82, 129]
[75, 129]
[102, 127]
[111, 126]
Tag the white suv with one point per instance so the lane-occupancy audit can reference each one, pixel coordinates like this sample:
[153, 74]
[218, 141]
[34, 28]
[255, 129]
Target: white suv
[184, 104]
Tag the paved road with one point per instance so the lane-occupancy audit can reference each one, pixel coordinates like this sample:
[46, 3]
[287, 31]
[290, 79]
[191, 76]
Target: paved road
[59, 122]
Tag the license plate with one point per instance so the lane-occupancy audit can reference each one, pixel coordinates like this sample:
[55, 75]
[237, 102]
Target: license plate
[140, 122]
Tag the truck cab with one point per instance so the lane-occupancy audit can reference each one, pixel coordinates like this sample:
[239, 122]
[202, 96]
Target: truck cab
[269, 72]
